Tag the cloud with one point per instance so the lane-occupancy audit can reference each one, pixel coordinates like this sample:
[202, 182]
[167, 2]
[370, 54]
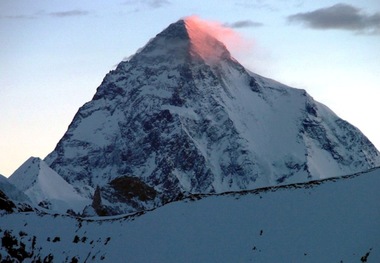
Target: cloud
[154, 4]
[339, 16]
[157, 3]
[60, 14]
[257, 4]
[269, 5]
[68, 13]
[235, 42]
[18, 17]
[243, 23]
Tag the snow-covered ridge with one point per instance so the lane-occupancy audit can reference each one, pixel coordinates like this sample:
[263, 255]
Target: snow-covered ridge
[258, 191]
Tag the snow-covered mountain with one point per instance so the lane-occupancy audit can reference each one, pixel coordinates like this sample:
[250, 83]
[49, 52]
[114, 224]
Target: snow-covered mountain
[45, 188]
[334, 220]
[182, 116]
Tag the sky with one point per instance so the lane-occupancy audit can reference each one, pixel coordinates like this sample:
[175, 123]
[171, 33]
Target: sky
[54, 54]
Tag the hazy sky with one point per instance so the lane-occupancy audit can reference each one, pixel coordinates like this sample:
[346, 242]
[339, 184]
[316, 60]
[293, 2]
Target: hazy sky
[54, 54]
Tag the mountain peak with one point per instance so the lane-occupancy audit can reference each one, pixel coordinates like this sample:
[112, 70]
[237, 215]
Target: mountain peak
[26, 174]
[203, 43]
[187, 38]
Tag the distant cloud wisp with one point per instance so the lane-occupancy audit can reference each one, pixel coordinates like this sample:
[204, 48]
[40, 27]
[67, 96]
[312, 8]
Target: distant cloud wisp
[59, 14]
[18, 17]
[148, 3]
[339, 16]
[69, 13]
[243, 23]
[157, 3]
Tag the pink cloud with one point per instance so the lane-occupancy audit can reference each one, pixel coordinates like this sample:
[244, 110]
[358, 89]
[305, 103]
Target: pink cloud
[200, 30]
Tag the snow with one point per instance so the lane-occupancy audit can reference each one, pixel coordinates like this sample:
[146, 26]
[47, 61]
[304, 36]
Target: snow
[42, 184]
[25, 175]
[319, 158]
[89, 131]
[328, 221]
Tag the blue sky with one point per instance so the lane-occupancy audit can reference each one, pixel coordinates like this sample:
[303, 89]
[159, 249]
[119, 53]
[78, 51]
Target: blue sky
[54, 54]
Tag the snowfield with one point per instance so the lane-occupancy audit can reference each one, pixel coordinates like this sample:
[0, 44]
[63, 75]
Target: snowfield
[334, 220]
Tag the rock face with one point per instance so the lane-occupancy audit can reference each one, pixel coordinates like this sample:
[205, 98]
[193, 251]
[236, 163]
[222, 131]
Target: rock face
[182, 116]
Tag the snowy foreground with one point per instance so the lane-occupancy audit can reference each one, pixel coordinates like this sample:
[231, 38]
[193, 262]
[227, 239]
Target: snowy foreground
[335, 220]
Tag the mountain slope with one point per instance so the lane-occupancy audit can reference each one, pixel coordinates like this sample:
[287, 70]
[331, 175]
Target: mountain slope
[335, 220]
[45, 188]
[182, 116]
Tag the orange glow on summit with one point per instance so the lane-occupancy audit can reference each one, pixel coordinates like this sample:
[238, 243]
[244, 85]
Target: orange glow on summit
[202, 31]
